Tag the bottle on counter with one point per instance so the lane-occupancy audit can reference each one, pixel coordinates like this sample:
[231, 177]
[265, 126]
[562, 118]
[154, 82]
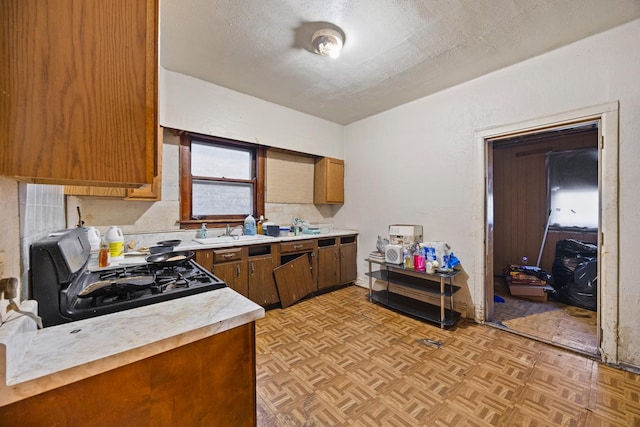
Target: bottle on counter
[260, 228]
[250, 225]
[94, 239]
[419, 260]
[104, 256]
[202, 233]
[115, 240]
[408, 257]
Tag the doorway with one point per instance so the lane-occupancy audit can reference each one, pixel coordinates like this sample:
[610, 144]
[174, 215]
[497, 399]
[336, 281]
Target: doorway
[545, 201]
[605, 118]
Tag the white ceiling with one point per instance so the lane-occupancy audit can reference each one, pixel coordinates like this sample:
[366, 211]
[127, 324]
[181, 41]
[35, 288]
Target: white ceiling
[395, 51]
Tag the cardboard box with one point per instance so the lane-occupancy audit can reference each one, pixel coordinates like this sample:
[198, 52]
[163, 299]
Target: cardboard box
[532, 292]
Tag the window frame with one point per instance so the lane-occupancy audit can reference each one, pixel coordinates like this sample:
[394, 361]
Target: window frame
[550, 177]
[187, 220]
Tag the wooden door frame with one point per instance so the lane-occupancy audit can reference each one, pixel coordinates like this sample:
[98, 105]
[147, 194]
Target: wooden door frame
[608, 231]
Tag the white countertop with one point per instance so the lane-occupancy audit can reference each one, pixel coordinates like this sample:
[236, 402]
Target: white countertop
[137, 258]
[34, 361]
[194, 245]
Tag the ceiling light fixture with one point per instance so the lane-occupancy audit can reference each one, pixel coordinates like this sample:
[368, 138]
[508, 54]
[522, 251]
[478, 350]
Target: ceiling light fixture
[327, 42]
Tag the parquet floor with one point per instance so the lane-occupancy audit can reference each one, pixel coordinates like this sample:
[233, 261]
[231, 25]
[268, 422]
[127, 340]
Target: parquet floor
[337, 360]
[550, 321]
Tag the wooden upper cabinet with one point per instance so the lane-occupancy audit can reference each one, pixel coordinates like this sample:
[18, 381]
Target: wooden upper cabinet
[328, 181]
[78, 102]
[147, 192]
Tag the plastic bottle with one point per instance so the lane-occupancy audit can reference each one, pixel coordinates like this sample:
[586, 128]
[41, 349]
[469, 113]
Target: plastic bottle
[94, 238]
[250, 226]
[419, 259]
[115, 240]
[202, 233]
[408, 257]
[104, 259]
[260, 227]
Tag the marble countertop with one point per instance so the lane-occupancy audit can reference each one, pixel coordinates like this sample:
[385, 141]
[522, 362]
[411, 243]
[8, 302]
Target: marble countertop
[34, 361]
[194, 244]
[137, 258]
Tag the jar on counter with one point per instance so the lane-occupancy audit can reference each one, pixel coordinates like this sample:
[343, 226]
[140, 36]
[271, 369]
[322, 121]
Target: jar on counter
[104, 256]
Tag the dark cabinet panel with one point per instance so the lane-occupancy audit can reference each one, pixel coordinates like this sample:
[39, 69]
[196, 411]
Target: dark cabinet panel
[294, 280]
[262, 285]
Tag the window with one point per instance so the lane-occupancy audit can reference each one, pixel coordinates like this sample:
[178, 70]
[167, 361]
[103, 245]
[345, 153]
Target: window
[221, 180]
[572, 189]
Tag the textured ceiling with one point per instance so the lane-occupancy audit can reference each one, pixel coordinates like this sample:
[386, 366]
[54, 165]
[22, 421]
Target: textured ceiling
[395, 51]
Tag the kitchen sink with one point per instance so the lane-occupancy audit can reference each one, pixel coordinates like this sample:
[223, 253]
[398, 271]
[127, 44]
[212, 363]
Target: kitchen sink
[232, 239]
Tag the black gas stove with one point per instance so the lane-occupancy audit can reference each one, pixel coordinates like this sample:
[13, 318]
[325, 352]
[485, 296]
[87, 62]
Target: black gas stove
[66, 289]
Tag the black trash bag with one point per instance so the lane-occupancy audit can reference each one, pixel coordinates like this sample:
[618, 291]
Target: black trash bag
[572, 248]
[569, 254]
[582, 291]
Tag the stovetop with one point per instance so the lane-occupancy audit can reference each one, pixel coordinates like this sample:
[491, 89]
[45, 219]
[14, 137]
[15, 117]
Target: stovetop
[122, 288]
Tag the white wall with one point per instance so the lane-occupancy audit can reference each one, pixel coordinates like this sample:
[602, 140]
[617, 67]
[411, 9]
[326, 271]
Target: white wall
[416, 164]
[10, 241]
[187, 103]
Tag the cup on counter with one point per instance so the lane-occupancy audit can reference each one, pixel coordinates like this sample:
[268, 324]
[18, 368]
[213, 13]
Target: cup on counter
[419, 262]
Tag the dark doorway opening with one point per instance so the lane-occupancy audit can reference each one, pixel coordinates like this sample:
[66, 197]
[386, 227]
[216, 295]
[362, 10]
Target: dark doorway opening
[522, 235]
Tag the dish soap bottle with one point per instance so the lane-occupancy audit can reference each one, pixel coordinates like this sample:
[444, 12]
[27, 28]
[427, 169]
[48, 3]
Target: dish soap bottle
[260, 226]
[250, 226]
[202, 233]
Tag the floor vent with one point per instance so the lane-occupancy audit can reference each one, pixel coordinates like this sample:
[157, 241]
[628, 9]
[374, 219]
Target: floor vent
[428, 342]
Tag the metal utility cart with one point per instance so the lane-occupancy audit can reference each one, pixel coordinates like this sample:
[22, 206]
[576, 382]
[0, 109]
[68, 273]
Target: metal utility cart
[415, 283]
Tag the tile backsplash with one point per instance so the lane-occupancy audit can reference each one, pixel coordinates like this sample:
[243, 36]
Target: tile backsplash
[41, 212]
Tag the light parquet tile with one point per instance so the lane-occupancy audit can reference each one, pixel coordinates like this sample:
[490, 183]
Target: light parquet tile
[552, 383]
[316, 372]
[479, 404]
[338, 360]
[552, 321]
[376, 377]
[450, 415]
[402, 356]
[542, 405]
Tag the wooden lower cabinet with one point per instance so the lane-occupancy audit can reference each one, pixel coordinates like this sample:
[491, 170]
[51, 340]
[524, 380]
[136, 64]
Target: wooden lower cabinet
[211, 382]
[262, 286]
[294, 280]
[249, 270]
[348, 259]
[204, 258]
[235, 274]
[230, 265]
[328, 267]
[336, 261]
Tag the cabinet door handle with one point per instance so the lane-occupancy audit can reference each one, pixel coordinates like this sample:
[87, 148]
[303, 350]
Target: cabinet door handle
[238, 270]
[253, 268]
[298, 246]
[225, 256]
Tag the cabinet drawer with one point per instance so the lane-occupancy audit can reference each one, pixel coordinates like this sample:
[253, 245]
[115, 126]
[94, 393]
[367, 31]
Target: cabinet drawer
[298, 246]
[225, 255]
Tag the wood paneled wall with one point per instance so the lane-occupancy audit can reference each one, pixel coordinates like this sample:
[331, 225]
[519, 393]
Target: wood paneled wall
[520, 201]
